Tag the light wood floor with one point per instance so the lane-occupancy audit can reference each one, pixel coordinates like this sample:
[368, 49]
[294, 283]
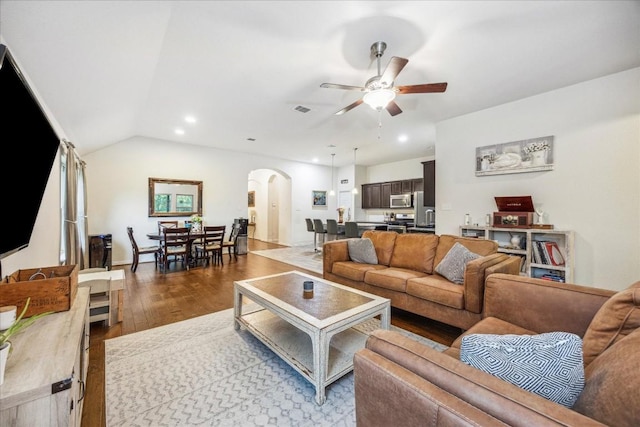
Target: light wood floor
[154, 299]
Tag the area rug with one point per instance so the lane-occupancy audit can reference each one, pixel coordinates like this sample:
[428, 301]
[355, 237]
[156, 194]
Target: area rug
[299, 256]
[203, 372]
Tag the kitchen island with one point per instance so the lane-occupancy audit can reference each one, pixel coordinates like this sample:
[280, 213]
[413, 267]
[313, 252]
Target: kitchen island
[429, 230]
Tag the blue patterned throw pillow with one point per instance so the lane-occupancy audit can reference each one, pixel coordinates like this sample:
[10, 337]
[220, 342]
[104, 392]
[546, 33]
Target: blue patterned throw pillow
[549, 364]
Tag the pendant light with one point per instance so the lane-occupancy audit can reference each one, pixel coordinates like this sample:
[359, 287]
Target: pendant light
[355, 188]
[331, 192]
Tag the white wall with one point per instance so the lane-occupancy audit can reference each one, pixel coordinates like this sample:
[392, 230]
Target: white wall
[117, 181]
[594, 188]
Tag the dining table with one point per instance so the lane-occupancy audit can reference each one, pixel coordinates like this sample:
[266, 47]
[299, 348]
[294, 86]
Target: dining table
[193, 236]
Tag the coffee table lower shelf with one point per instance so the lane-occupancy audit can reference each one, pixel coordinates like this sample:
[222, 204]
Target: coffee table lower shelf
[295, 346]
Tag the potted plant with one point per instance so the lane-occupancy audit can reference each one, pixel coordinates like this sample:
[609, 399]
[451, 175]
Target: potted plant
[17, 326]
[196, 222]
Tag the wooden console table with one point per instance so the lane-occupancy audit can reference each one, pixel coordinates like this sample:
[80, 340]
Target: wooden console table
[44, 383]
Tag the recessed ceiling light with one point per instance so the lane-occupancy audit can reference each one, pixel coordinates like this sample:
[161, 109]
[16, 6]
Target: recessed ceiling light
[179, 131]
[403, 138]
[190, 119]
[315, 160]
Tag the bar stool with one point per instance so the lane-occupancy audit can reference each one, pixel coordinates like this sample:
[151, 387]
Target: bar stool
[318, 228]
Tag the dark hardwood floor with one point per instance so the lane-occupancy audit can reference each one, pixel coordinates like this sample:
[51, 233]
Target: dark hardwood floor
[153, 299]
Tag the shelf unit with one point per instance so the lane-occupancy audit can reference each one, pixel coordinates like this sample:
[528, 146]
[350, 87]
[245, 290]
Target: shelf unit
[528, 238]
[100, 299]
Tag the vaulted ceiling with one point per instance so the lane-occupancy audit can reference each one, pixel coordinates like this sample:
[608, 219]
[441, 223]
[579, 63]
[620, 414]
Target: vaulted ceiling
[113, 70]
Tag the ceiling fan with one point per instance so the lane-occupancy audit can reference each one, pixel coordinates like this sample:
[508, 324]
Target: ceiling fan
[379, 91]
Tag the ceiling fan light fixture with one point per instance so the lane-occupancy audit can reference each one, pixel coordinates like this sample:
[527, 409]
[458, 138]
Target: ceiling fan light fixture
[379, 98]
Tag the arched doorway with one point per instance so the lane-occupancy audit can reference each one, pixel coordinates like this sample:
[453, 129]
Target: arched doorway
[272, 207]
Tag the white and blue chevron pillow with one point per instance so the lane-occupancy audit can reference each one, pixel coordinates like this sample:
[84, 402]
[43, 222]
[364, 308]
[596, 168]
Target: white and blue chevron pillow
[549, 364]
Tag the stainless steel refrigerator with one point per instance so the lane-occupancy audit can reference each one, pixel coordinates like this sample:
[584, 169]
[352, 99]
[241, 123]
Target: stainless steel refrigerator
[425, 216]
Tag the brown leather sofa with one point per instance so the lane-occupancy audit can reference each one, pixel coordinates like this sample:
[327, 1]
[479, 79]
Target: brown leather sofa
[405, 273]
[399, 381]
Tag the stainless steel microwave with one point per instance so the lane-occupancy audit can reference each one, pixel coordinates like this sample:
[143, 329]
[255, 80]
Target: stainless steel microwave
[400, 201]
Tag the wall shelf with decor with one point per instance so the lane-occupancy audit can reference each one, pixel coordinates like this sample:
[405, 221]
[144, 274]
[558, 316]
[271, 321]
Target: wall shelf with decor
[546, 253]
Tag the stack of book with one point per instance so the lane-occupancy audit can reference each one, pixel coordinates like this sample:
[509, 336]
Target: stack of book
[553, 276]
[547, 252]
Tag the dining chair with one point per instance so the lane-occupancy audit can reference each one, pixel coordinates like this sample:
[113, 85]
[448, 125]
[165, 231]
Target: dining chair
[176, 243]
[333, 232]
[166, 223]
[209, 247]
[232, 242]
[319, 229]
[137, 250]
[351, 230]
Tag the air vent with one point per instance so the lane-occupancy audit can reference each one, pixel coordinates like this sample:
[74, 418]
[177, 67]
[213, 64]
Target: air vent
[302, 109]
[251, 139]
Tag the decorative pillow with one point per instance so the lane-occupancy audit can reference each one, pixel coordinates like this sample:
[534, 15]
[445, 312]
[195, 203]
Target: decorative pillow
[362, 250]
[610, 392]
[549, 365]
[616, 319]
[454, 263]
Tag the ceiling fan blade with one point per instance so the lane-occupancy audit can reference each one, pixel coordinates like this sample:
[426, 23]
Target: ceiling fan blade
[393, 69]
[345, 87]
[393, 108]
[425, 88]
[349, 107]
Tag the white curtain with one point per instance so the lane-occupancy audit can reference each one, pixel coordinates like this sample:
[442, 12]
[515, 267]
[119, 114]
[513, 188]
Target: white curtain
[74, 239]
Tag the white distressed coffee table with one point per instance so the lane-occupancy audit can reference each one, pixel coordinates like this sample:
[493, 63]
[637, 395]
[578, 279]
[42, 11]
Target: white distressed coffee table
[312, 332]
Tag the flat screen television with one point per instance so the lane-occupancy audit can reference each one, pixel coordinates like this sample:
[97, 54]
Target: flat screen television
[29, 148]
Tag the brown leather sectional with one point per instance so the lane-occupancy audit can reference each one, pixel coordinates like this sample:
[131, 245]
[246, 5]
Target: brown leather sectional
[405, 273]
[400, 381]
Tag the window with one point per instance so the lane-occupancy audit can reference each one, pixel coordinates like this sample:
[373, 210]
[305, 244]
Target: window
[162, 203]
[184, 203]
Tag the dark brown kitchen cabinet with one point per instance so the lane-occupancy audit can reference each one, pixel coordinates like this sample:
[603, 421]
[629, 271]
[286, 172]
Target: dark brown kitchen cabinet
[385, 200]
[371, 196]
[429, 182]
[378, 195]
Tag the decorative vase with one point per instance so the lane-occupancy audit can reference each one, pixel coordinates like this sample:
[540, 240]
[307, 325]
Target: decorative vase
[515, 241]
[539, 158]
[196, 227]
[340, 217]
[4, 354]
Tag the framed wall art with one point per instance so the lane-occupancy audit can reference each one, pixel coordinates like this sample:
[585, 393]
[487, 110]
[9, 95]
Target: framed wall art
[318, 198]
[528, 155]
[252, 199]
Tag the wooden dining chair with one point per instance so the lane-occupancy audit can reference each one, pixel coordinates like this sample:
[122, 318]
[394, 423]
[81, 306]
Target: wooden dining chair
[232, 242]
[166, 223]
[176, 243]
[137, 250]
[209, 247]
